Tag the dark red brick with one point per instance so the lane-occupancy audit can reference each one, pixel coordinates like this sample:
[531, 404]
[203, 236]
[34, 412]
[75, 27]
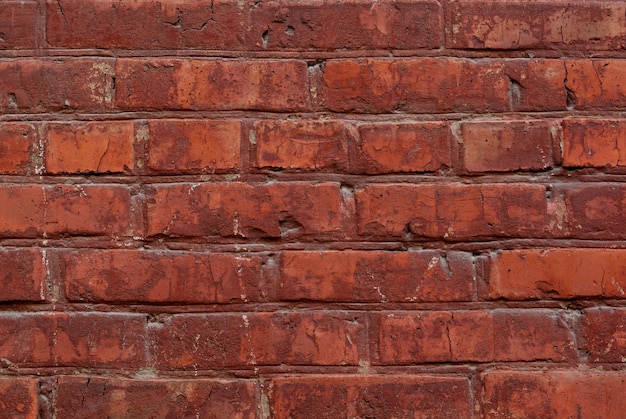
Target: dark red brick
[155, 398]
[86, 340]
[602, 334]
[44, 85]
[210, 84]
[403, 147]
[594, 143]
[92, 147]
[558, 394]
[244, 210]
[16, 142]
[557, 273]
[452, 211]
[501, 146]
[368, 276]
[372, 396]
[25, 216]
[18, 21]
[418, 85]
[23, 275]
[159, 277]
[301, 145]
[193, 146]
[226, 340]
[591, 25]
[537, 85]
[18, 398]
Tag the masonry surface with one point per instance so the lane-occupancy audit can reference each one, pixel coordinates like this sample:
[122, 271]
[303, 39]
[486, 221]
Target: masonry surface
[312, 209]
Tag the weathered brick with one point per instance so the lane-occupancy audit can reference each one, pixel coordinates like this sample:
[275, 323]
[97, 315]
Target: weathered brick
[369, 276]
[419, 85]
[92, 147]
[86, 340]
[87, 210]
[193, 146]
[501, 146]
[596, 84]
[18, 398]
[24, 217]
[244, 210]
[594, 143]
[232, 25]
[301, 145]
[537, 85]
[210, 84]
[593, 25]
[159, 277]
[391, 395]
[356, 25]
[452, 211]
[44, 85]
[403, 147]
[16, 141]
[557, 273]
[155, 398]
[592, 210]
[473, 336]
[17, 24]
[23, 275]
[602, 334]
[560, 393]
[209, 341]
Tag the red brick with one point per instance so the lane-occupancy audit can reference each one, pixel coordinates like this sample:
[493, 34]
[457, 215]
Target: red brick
[370, 276]
[86, 340]
[403, 147]
[23, 275]
[87, 210]
[593, 210]
[43, 85]
[231, 25]
[212, 25]
[557, 273]
[372, 396]
[25, 216]
[532, 335]
[594, 143]
[596, 84]
[420, 85]
[244, 210]
[473, 336]
[18, 398]
[159, 277]
[226, 340]
[593, 25]
[16, 142]
[356, 25]
[557, 394]
[194, 84]
[193, 146]
[17, 24]
[92, 147]
[452, 211]
[602, 334]
[301, 145]
[536, 85]
[500, 146]
[156, 398]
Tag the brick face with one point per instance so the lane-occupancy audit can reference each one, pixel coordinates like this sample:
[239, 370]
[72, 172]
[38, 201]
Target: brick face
[312, 209]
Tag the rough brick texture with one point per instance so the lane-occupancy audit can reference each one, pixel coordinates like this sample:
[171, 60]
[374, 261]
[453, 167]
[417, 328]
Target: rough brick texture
[312, 209]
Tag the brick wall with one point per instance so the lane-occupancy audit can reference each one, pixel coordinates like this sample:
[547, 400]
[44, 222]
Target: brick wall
[222, 208]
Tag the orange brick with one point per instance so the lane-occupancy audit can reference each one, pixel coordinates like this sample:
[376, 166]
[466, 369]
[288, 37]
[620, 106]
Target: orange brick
[594, 143]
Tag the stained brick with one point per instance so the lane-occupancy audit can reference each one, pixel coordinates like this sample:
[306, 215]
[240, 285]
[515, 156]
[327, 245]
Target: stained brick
[16, 141]
[23, 275]
[594, 143]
